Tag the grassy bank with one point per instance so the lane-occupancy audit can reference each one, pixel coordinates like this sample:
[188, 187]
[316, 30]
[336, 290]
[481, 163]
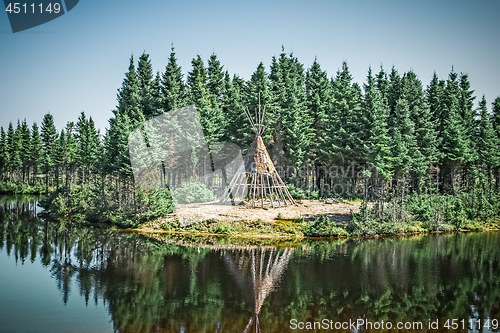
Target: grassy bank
[365, 223]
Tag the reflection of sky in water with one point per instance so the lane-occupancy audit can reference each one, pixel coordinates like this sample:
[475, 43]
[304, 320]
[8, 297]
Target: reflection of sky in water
[30, 302]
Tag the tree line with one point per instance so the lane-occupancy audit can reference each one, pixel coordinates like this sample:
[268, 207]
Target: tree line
[409, 138]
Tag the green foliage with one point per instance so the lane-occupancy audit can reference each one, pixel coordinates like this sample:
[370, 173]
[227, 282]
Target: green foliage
[20, 188]
[323, 227]
[156, 202]
[224, 228]
[296, 193]
[193, 192]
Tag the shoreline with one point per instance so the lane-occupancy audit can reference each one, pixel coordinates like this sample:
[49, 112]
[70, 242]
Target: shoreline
[292, 223]
[238, 241]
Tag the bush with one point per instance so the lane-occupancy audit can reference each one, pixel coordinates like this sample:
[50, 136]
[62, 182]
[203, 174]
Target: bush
[300, 194]
[323, 227]
[14, 188]
[296, 193]
[223, 228]
[155, 203]
[193, 192]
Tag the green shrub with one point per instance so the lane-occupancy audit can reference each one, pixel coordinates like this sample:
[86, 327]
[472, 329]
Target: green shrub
[223, 228]
[323, 227]
[155, 203]
[193, 192]
[296, 193]
[13, 188]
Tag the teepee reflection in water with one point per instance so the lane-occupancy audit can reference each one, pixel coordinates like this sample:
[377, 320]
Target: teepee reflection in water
[257, 272]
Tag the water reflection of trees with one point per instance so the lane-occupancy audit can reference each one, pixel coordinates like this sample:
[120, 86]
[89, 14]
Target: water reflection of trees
[160, 286]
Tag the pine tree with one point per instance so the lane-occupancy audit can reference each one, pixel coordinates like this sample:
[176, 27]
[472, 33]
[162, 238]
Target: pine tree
[238, 129]
[487, 140]
[211, 118]
[257, 90]
[466, 104]
[426, 137]
[36, 151]
[4, 155]
[173, 87]
[129, 99]
[146, 86]
[383, 85]
[215, 82]
[59, 155]
[293, 133]
[117, 157]
[343, 130]
[496, 115]
[14, 146]
[394, 91]
[319, 103]
[455, 144]
[197, 82]
[72, 153]
[25, 149]
[374, 122]
[403, 138]
[435, 99]
[49, 136]
[157, 96]
[496, 128]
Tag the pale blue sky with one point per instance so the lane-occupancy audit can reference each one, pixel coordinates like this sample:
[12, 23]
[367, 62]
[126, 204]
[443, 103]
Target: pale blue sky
[77, 62]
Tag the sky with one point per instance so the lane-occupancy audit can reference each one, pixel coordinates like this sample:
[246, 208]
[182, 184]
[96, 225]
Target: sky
[78, 61]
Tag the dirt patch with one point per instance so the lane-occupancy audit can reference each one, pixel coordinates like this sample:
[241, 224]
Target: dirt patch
[309, 210]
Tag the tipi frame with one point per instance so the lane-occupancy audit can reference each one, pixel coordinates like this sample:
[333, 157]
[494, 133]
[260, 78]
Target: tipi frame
[257, 177]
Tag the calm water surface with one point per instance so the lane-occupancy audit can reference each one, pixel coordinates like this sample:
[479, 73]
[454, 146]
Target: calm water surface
[56, 277]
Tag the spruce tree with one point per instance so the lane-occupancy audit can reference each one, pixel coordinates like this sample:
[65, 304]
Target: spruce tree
[257, 90]
[197, 82]
[173, 87]
[394, 91]
[487, 140]
[14, 140]
[466, 104]
[211, 118]
[238, 129]
[293, 133]
[319, 103]
[343, 131]
[36, 151]
[215, 81]
[374, 122]
[435, 99]
[455, 142]
[496, 115]
[59, 155]
[49, 136]
[4, 155]
[72, 152]
[157, 96]
[383, 85]
[25, 149]
[426, 137]
[129, 99]
[146, 86]
[403, 138]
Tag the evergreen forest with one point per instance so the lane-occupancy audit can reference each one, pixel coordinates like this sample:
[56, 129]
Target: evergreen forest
[411, 151]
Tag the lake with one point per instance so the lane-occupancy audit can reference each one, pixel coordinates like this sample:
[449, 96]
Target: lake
[59, 277]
